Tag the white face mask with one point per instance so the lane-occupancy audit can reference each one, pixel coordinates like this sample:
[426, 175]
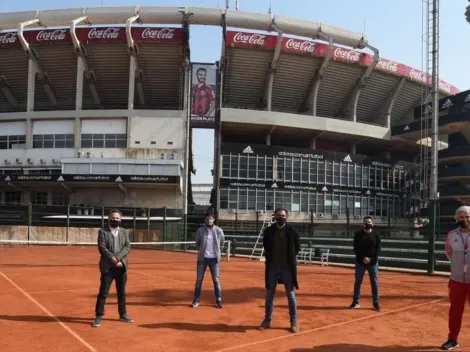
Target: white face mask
[210, 222]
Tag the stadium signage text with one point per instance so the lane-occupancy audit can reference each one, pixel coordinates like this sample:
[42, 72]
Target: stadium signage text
[8, 38]
[155, 33]
[306, 47]
[148, 179]
[56, 35]
[105, 33]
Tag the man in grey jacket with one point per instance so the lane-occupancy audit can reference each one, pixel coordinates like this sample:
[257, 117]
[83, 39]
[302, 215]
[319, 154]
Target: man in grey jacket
[209, 244]
[114, 246]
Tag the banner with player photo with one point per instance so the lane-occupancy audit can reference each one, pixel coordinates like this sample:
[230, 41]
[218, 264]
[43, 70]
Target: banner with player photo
[204, 104]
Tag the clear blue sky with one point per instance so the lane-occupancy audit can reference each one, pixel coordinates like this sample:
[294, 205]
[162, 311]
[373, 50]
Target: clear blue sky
[394, 27]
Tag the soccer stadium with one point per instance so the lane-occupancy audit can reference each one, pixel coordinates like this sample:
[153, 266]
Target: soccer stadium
[97, 111]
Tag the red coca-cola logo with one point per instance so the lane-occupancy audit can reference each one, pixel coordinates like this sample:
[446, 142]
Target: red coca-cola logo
[345, 54]
[252, 39]
[388, 65]
[8, 38]
[55, 35]
[104, 33]
[156, 33]
[418, 75]
[445, 86]
[298, 45]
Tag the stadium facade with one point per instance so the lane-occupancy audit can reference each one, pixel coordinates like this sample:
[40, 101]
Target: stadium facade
[95, 109]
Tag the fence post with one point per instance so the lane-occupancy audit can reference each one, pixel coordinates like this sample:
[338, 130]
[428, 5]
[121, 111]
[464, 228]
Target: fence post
[68, 224]
[102, 217]
[164, 225]
[134, 225]
[30, 219]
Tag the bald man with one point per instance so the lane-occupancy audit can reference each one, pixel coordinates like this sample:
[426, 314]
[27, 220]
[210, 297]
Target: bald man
[457, 250]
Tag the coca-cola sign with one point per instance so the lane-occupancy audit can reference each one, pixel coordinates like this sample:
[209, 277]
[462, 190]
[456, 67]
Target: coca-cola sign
[417, 75]
[158, 33]
[8, 38]
[387, 65]
[104, 33]
[348, 55]
[446, 87]
[303, 46]
[250, 39]
[54, 35]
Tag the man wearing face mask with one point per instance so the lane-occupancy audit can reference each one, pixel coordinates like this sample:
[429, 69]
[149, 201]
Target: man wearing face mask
[281, 245]
[367, 245]
[210, 241]
[114, 246]
[457, 250]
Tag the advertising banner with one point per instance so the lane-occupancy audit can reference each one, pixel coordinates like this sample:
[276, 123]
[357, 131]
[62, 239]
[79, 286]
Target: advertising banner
[204, 107]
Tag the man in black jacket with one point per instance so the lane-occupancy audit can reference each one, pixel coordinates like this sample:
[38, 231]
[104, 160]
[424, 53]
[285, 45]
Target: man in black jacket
[367, 249]
[281, 245]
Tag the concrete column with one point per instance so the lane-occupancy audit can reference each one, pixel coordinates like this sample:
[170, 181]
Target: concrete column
[77, 133]
[132, 68]
[128, 132]
[29, 133]
[32, 70]
[80, 76]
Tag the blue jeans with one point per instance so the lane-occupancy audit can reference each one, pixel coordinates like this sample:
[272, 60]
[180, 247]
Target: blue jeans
[286, 276]
[373, 271]
[214, 267]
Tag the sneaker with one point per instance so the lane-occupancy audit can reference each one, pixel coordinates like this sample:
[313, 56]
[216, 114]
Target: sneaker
[293, 328]
[449, 345]
[125, 318]
[354, 305]
[194, 304]
[218, 304]
[97, 322]
[377, 307]
[266, 324]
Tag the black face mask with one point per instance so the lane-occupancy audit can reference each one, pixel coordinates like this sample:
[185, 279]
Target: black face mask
[114, 223]
[368, 226]
[465, 224]
[281, 221]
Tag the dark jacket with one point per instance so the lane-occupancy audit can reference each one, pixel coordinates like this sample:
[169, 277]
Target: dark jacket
[367, 245]
[106, 248]
[292, 249]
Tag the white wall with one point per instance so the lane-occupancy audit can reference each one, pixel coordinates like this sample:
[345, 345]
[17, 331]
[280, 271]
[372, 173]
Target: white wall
[110, 126]
[13, 128]
[54, 127]
[167, 133]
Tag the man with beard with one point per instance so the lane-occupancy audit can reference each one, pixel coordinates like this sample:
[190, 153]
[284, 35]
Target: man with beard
[203, 102]
[367, 245]
[457, 247]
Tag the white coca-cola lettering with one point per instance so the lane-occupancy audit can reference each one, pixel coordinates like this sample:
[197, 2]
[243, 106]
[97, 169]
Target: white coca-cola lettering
[8, 38]
[387, 65]
[158, 33]
[104, 33]
[418, 75]
[56, 35]
[253, 39]
[304, 46]
[349, 55]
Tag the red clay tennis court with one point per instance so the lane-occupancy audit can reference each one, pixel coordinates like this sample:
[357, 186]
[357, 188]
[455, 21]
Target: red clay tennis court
[48, 296]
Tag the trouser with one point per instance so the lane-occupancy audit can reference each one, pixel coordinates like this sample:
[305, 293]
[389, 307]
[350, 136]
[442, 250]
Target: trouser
[120, 276]
[373, 271]
[285, 275]
[214, 267]
[459, 293]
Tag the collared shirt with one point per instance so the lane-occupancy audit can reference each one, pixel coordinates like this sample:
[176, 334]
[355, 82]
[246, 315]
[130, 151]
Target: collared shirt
[115, 231]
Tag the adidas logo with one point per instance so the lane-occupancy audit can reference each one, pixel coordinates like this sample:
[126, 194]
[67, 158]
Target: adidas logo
[447, 104]
[7, 179]
[324, 189]
[406, 128]
[248, 150]
[118, 179]
[368, 192]
[60, 179]
[467, 99]
[274, 185]
[347, 159]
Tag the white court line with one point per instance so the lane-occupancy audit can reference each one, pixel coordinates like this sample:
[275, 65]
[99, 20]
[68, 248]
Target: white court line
[94, 289]
[69, 330]
[331, 326]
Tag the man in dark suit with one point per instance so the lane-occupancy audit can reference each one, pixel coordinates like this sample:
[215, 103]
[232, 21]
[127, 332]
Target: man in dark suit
[281, 245]
[367, 245]
[114, 246]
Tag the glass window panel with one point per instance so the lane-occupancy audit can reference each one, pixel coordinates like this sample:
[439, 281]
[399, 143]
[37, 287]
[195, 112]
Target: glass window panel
[48, 144]
[251, 199]
[269, 168]
[261, 200]
[304, 171]
[121, 143]
[252, 167]
[242, 198]
[321, 172]
[98, 136]
[295, 201]
[343, 204]
[351, 174]
[329, 173]
[110, 136]
[288, 167]
[304, 208]
[336, 173]
[234, 166]
[226, 166]
[260, 172]
[224, 198]
[69, 143]
[60, 143]
[269, 200]
[86, 143]
[110, 143]
[296, 170]
[37, 144]
[243, 173]
[98, 143]
[3, 145]
[48, 137]
[233, 199]
[281, 169]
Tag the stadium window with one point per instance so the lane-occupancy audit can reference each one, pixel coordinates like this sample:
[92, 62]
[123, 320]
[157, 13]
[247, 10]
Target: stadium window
[288, 169]
[60, 198]
[226, 166]
[252, 199]
[224, 198]
[358, 176]
[295, 201]
[243, 167]
[234, 166]
[233, 199]
[351, 174]
[343, 204]
[281, 169]
[344, 174]
[329, 173]
[260, 199]
[317, 202]
[327, 204]
[313, 176]
[321, 172]
[304, 171]
[252, 167]
[336, 174]
[53, 141]
[304, 206]
[39, 198]
[270, 200]
[13, 142]
[269, 168]
[296, 170]
[261, 170]
[336, 204]
[242, 198]
[12, 198]
[99, 140]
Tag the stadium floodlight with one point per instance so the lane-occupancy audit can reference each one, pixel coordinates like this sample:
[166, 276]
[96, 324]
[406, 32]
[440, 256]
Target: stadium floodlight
[467, 13]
